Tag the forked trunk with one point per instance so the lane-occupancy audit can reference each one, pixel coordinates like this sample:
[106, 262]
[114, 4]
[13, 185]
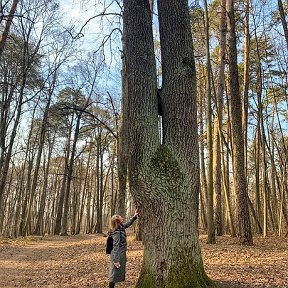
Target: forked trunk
[164, 178]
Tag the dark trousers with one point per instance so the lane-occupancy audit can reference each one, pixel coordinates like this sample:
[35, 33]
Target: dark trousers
[111, 285]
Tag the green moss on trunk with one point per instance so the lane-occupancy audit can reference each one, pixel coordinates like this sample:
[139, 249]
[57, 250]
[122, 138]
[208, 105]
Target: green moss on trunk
[165, 166]
[184, 276]
[146, 279]
[179, 277]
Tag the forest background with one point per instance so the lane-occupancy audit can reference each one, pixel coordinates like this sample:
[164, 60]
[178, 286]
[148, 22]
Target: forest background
[60, 109]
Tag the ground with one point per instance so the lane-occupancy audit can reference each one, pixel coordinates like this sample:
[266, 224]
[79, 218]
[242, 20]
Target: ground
[80, 261]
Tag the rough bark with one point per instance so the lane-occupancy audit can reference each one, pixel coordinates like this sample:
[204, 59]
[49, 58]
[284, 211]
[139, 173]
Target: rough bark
[239, 177]
[164, 179]
[218, 122]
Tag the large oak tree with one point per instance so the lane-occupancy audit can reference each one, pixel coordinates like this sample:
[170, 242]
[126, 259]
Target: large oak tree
[163, 178]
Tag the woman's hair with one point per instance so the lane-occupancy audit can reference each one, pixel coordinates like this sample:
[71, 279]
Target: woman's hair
[114, 222]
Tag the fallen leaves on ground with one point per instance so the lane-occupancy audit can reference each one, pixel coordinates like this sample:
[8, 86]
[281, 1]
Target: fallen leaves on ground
[80, 261]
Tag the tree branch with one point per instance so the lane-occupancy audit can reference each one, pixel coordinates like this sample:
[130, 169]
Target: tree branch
[90, 114]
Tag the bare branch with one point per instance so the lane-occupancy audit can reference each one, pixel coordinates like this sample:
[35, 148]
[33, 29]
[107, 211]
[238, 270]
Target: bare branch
[77, 108]
[80, 33]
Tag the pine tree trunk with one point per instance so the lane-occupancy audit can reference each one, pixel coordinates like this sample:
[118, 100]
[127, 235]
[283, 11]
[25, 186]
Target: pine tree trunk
[39, 228]
[59, 212]
[6, 30]
[237, 135]
[257, 177]
[122, 149]
[226, 186]
[218, 123]
[99, 222]
[246, 79]
[64, 223]
[210, 203]
[84, 192]
[203, 190]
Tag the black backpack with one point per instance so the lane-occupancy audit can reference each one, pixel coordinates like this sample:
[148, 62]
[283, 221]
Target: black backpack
[109, 244]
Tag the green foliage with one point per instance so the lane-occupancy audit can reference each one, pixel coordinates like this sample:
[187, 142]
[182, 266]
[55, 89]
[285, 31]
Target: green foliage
[275, 94]
[214, 16]
[71, 97]
[20, 60]
[63, 113]
[261, 49]
[196, 15]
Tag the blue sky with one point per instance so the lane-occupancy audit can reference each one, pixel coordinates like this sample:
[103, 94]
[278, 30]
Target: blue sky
[76, 14]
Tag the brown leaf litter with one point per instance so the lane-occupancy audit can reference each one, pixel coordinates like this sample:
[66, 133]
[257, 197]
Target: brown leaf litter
[80, 261]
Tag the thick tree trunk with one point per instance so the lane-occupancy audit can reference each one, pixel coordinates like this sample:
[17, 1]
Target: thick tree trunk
[239, 178]
[164, 179]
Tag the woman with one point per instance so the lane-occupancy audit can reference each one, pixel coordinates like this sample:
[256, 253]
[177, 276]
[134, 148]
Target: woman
[118, 253]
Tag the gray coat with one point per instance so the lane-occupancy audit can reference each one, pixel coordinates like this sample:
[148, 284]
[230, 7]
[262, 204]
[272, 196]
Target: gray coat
[118, 254]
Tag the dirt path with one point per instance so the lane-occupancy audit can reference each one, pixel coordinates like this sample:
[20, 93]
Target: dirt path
[79, 261]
